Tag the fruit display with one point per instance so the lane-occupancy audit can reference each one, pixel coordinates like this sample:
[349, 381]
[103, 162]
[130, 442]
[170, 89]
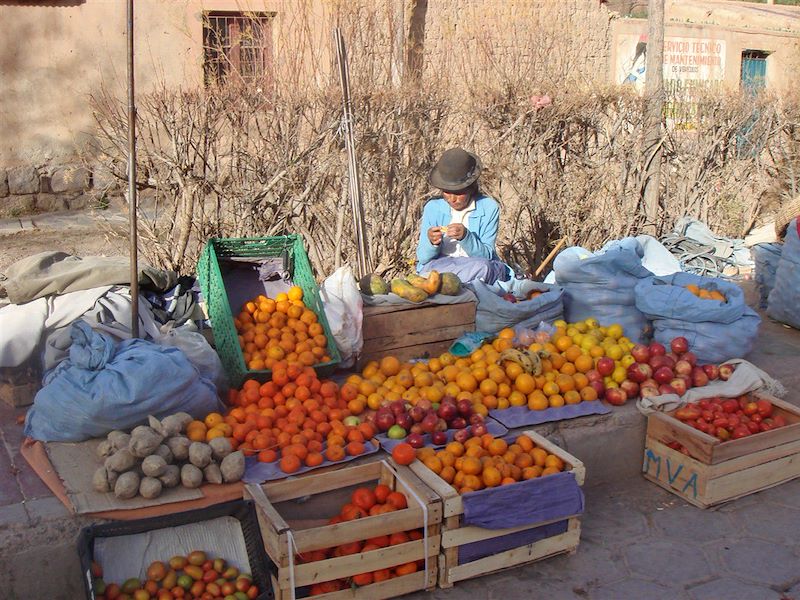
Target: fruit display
[422, 423]
[489, 461]
[705, 294]
[657, 371]
[295, 419]
[157, 456]
[731, 418]
[414, 287]
[195, 576]
[366, 502]
[282, 328]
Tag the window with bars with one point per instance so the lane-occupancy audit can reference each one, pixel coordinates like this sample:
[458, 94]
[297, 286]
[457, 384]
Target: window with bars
[237, 45]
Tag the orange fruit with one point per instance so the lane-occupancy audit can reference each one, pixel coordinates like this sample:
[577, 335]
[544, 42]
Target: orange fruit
[295, 293]
[572, 397]
[507, 333]
[565, 383]
[390, 365]
[289, 463]
[455, 448]
[531, 472]
[584, 363]
[471, 466]
[497, 447]
[550, 471]
[491, 477]
[466, 382]
[525, 383]
[434, 463]
[554, 461]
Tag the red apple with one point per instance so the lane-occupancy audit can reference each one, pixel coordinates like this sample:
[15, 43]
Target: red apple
[668, 362]
[424, 404]
[641, 353]
[415, 440]
[699, 377]
[647, 391]
[404, 420]
[764, 407]
[447, 411]
[594, 375]
[683, 367]
[462, 435]
[712, 371]
[679, 345]
[464, 408]
[616, 396]
[663, 375]
[657, 361]
[679, 385]
[649, 382]
[398, 407]
[639, 372]
[384, 419]
[429, 423]
[439, 438]
[605, 366]
[657, 349]
[725, 371]
[478, 429]
[599, 387]
[458, 423]
[417, 413]
[416, 428]
[665, 388]
[475, 418]
[673, 357]
[689, 357]
[631, 388]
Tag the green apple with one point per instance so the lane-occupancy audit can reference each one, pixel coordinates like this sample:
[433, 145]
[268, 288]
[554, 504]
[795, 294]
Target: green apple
[352, 421]
[396, 432]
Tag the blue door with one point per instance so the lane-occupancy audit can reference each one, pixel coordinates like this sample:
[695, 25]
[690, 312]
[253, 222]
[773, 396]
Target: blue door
[753, 79]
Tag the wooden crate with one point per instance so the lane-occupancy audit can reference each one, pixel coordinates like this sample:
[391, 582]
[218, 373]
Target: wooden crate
[456, 534]
[413, 330]
[18, 386]
[311, 532]
[716, 471]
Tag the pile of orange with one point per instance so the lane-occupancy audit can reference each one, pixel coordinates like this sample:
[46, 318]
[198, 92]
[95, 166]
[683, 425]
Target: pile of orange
[487, 462]
[283, 328]
[706, 294]
[295, 419]
[366, 502]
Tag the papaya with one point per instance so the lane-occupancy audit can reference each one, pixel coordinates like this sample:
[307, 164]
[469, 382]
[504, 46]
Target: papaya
[451, 284]
[429, 284]
[373, 285]
[404, 289]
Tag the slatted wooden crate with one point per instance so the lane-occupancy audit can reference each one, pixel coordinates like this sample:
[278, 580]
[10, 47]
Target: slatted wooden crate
[717, 471]
[18, 386]
[311, 532]
[456, 534]
[413, 330]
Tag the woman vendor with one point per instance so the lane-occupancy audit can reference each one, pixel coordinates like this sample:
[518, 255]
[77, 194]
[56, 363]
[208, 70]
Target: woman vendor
[459, 228]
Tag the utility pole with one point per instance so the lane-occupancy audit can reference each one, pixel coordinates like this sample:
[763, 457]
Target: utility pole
[654, 98]
[132, 178]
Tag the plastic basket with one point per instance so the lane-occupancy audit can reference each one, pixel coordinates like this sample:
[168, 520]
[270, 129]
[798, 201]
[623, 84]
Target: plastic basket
[261, 566]
[211, 282]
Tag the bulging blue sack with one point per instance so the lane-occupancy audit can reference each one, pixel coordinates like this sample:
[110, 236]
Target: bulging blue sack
[766, 257]
[494, 313]
[602, 285]
[716, 330]
[104, 385]
[784, 300]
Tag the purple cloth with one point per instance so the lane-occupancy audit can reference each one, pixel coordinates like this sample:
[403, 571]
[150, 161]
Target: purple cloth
[520, 416]
[476, 550]
[258, 472]
[470, 268]
[492, 427]
[524, 503]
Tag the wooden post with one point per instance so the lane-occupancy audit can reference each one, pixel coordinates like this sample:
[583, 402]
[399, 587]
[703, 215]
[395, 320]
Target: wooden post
[654, 96]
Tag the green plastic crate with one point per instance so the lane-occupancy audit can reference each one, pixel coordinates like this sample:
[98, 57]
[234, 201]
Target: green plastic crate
[219, 309]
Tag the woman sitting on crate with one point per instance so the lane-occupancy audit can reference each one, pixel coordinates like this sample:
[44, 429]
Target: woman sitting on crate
[459, 228]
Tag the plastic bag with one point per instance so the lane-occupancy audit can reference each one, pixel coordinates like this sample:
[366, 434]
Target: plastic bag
[105, 385]
[716, 330]
[784, 300]
[197, 350]
[602, 285]
[495, 313]
[766, 257]
[343, 308]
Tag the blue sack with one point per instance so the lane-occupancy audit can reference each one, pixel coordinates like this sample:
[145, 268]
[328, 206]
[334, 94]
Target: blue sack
[602, 285]
[784, 300]
[766, 257]
[494, 313]
[716, 330]
[105, 385]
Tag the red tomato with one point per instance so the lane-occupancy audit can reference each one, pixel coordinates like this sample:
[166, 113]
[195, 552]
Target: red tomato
[756, 418]
[730, 406]
[740, 432]
[753, 427]
[764, 407]
[779, 421]
[720, 422]
[723, 433]
[734, 422]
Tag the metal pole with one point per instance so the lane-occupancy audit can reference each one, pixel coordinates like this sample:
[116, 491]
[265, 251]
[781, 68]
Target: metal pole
[132, 182]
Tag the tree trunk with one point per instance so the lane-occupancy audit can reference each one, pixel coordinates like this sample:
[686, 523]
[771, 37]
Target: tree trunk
[654, 96]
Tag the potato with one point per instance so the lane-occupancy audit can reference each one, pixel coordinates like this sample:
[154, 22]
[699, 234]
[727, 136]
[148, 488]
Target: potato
[127, 485]
[232, 467]
[153, 465]
[212, 473]
[174, 424]
[150, 488]
[164, 452]
[220, 447]
[179, 446]
[119, 439]
[184, 419]
[144, 441]
[191, 476]
[104, 449]
[122, 460]
[171, 476]
[112, 479]
[100, 481]
[199, 454]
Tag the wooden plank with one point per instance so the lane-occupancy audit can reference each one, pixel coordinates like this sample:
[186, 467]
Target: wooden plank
[413, 487]
[395, 323]
[741, 463]
[417, 337]
[289, 489]
[524, 554]
[753, 443]
[452, 503]
[345, 566]
[391, 588]
[681, 474]
[469, 534]
[753, 479]
[268, 532]
[577, 467]
[666, 428]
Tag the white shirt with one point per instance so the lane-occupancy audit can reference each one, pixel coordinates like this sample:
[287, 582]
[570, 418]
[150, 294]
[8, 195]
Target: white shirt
[449, 246]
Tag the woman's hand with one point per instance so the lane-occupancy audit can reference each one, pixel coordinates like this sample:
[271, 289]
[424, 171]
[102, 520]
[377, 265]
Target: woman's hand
[435, 235]
[456, 231]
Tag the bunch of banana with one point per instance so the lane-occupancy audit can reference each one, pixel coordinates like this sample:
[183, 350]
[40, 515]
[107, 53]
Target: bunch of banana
[531, 362]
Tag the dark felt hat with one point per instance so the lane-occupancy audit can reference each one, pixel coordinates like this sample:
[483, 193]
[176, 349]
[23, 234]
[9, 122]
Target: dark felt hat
[456, 170]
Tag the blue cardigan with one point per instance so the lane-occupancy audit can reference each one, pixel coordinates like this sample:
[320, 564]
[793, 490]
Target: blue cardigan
[480, 239]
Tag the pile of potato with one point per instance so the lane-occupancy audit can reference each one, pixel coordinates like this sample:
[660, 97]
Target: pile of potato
[151, 458]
